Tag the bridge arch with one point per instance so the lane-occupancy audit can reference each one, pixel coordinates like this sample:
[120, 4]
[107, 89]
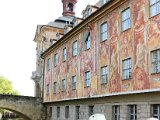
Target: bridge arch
[30, 108]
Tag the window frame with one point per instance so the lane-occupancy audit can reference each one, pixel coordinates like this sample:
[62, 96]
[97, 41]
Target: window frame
[64, 54]
[55, 59]
[74, 82]
[48, 88]
[87, 78]
[104, 32]
[67, 112]
[116, 112]
[74, 48]
[104, 75]
[55, 87]
[157, 109]
[128, 69]
[154, 4]
[156, 62]
[132, 111]
[64, 85]
[77, 114]
[58, 112]
[48, 64]
[88, 41]
[90, 110]
[125, 20]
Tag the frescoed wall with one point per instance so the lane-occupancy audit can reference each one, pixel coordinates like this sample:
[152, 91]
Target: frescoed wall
[136, 43]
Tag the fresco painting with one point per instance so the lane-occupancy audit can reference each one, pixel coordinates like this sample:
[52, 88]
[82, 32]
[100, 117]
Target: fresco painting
[114, 79]
[135, 43]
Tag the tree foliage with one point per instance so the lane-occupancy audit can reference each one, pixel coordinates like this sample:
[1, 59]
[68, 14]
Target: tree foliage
[6, 86]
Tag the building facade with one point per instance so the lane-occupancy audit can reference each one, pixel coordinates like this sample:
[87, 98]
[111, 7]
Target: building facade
[108, 63]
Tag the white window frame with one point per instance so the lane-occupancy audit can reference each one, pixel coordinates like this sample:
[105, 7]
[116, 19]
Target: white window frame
[155, 61]
[64, 86]
[87, 78]
[104, 74]
[156, 107]
[56, 59]
[104, 31]
[74, 48]
[132, 112]
[126, 19]
[116, 112]
[127, 69]
[64, 54]
[154, 7]
[74, 82]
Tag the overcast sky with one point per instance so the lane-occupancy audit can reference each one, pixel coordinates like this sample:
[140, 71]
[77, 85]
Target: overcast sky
[18, 22]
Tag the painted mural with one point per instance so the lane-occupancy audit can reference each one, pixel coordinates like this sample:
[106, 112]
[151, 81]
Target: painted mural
[136, 43]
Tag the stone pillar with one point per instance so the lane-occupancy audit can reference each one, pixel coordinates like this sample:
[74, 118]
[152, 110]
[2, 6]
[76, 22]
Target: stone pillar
[84, 113]
[123, 112]
[143, 111]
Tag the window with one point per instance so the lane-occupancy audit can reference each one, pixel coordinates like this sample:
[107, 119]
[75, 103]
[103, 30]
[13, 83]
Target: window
[154, 7]
[127, 69]
[58, 112]
[88, 41]
[55, 59]
[47, 88]
[74, 48]
[74, 82]
[132, 109]
[104, 73]
[77, 112]
[104, 31]
[50, 112]
[67, 112]
[87, 78]
[70, 7]
[156, 61]
[126, 19]
[64, 54]
[156, 111]
[91, 110]
[48, 64]
[55, 87]
[63, 85]
[116, 112]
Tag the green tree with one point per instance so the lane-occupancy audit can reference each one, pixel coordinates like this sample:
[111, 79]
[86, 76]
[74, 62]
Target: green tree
[6, 87]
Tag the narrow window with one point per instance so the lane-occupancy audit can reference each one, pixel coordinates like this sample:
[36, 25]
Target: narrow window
[48, 64]
[55, 59]
[64, 54]
[91, 110]
[104, 31]
[55, 87]
[87, 78]
[58, 112]
[154, 7]
[50, 112]
[116, 112]
[155, 61]
[74, 48]
[127, 69]
[77, 112]
[156, 111]
[104, 74]
[74, 82]
[126, 19]
[63, 84]
[67, 112]
[88, 41]
[47, 88]
[132, 109]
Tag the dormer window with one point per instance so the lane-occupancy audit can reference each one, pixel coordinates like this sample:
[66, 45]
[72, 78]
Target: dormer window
[70, 7]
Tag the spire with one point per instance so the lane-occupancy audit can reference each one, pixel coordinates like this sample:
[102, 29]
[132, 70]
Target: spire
[69, 7]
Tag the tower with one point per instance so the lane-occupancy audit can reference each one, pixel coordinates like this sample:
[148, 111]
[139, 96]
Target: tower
[69, 7]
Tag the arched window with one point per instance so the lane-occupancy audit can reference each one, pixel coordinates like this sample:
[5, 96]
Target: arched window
[70, 7]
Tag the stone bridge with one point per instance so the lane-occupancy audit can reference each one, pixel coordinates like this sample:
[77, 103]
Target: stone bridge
[29, 108]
